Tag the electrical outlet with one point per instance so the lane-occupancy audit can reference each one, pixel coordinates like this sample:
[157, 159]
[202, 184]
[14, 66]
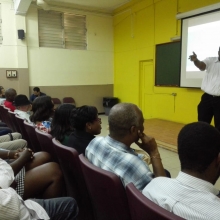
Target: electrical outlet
[8, 73]
[14, 73]
[11, 73]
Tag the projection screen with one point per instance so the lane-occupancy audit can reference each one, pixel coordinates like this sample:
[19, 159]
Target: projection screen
[200, 34]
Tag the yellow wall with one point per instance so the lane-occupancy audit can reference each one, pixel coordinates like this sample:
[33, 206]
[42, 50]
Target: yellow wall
[138, 27]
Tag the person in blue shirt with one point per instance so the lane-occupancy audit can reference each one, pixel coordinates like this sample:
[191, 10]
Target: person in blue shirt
[36, 93]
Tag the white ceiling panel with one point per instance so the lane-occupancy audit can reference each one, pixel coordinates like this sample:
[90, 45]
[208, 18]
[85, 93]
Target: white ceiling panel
[105, 5]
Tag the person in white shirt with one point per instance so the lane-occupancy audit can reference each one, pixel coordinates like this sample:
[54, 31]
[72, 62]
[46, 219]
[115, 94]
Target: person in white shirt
[192, 194]
[209, 105]
[23, 107]
[12, 206]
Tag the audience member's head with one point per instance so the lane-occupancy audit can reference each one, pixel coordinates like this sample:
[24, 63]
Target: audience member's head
[198, 149]
[85, 118]
[61, 121]
[36, 91]
[125, 121]
[22, 103]
[2, 92]
[43, 109]
[10, 94]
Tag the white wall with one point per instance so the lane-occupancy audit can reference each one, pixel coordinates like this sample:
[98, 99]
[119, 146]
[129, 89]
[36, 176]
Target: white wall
[13, 52]
[51, 66]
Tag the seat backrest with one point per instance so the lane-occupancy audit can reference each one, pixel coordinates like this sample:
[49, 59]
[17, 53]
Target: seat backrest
[75, 184]
[30, 130]
[56, 101]
[20, 122]
[46, 144]
[69, 100]
[142, 208]
[2, 113]
[106, 192]
[6, 117]
[11, 116]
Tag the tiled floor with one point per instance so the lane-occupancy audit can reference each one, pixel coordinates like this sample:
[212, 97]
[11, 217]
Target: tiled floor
[170, 159]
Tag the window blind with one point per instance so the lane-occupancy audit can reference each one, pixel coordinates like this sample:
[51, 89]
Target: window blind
[62, 30]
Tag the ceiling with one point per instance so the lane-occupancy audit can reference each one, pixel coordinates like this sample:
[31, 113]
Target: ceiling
[96, 5]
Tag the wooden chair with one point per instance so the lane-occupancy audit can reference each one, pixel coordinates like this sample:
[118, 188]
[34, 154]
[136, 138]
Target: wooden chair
[142, 208]
[46, 144]
[75, 184]
[30, 130]
[106, 191]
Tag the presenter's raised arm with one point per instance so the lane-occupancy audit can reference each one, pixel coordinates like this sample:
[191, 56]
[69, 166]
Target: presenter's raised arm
[199, 64]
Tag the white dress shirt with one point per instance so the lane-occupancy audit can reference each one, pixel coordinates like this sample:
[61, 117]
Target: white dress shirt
[23, 115]
[11, 204]
[186, 196]
[211, 80]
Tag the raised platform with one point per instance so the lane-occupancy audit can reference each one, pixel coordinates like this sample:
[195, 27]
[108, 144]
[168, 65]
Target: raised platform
[165, 132]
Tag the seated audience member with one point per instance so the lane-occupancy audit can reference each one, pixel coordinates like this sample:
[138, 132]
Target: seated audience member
[29, 169]
[60, 125]
[36, 93]
[13, 207]
[43, 109]
[113, 152]
[23, 107]
[10, 96]
[4, 129]
[12, 141]
[191, 195]
[2, 92]
[86, 124]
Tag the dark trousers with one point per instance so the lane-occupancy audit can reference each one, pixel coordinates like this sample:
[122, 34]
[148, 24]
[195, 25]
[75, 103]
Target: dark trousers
[59, 208]
[208, 107]
[4, 129]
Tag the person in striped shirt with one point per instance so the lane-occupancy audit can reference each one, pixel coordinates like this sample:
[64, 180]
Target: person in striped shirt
[114, 153]
[192, 195]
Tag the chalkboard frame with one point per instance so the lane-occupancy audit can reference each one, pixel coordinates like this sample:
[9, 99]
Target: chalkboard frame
[168, 64]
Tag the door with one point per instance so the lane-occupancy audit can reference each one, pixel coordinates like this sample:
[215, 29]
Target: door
[146, 85]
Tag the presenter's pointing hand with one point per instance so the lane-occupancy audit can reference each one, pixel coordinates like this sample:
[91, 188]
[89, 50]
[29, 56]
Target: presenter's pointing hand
[193, 57]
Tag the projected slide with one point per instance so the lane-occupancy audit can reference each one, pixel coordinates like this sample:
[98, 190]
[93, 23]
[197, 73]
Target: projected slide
[200, 34]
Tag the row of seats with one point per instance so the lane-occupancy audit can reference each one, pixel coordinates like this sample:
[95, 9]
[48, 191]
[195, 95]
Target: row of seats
[100, 194]
[69, 100]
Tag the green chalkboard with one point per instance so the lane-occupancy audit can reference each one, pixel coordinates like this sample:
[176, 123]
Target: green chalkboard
[167, 61]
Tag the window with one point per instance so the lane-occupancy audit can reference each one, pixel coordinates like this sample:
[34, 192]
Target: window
[62, 30]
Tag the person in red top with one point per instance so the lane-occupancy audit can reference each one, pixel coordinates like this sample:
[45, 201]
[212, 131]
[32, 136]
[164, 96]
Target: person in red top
[10, 96]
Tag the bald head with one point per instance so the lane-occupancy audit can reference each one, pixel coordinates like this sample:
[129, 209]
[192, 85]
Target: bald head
[122, 117]
[10, 94]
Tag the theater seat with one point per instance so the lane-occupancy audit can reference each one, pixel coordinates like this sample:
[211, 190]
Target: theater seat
[30, 129]
[46, 144]
[75, 184]
[141, 208]
[106, 191]
[69, 100]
